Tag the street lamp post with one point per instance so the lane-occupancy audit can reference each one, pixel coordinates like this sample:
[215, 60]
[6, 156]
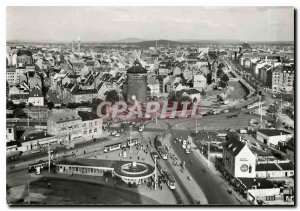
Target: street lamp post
[155, 174]
[130, 138]
[49, 157]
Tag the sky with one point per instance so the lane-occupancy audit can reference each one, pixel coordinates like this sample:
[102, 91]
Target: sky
[149, 23]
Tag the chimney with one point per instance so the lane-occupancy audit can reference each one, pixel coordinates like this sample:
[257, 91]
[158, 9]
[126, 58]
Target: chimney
[45, 133]
[24, 138]
[258, 184]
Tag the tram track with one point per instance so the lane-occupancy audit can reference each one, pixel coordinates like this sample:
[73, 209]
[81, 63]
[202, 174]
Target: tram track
[183, 188]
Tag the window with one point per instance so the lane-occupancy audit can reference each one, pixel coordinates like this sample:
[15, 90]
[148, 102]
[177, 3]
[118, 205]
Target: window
[95, 130]
[96, 122]
[9, 130]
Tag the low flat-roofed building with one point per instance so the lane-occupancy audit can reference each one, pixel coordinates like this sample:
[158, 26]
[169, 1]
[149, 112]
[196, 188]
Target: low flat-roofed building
[129, 172]
[267, 170]
[33, 139]
[257, 189]
[272, 137]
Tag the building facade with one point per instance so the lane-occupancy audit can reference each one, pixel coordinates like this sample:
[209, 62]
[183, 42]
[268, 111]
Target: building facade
[65, 124]
[91, 125]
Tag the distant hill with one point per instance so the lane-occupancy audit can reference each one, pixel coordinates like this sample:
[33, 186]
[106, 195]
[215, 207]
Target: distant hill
[126, 40]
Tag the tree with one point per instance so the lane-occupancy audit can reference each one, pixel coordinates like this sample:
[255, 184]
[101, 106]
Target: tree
[232, 136]
[222, 84]
[209, 78]
[10, 105]
[95, 103]
[50, 105]
[19, 113]
[219, 73]
[225, 78]
[22, 105]
[112, 96]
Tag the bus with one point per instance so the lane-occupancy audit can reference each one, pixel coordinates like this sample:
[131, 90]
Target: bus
[37, 167]
[112, 147]
[170, 179]
[163, 152]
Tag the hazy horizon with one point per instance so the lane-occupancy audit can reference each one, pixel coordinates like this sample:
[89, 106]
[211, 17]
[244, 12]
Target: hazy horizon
[106, 24]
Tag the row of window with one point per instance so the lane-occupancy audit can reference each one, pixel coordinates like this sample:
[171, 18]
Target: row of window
[82, 170]
[90, 124]
[90, 131]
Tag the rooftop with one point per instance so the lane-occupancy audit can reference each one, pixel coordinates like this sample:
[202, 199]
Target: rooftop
[272, 132]
[114, 164]
[137, 68]
[287, 166]
[234, 146]
[86, 116]
[267, 167]
[260, 183]
[33, 134]
[63, 116]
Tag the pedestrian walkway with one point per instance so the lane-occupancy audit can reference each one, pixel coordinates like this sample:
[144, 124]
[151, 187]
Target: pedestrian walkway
[218, 175]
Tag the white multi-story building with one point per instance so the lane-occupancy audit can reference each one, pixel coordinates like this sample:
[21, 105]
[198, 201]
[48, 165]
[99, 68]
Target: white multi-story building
[91, 125]
[239, 161]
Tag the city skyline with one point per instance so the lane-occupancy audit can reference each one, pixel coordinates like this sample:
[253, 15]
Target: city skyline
[150, 23]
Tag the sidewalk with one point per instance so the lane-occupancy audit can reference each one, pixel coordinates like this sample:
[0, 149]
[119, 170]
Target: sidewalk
[218, 175]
